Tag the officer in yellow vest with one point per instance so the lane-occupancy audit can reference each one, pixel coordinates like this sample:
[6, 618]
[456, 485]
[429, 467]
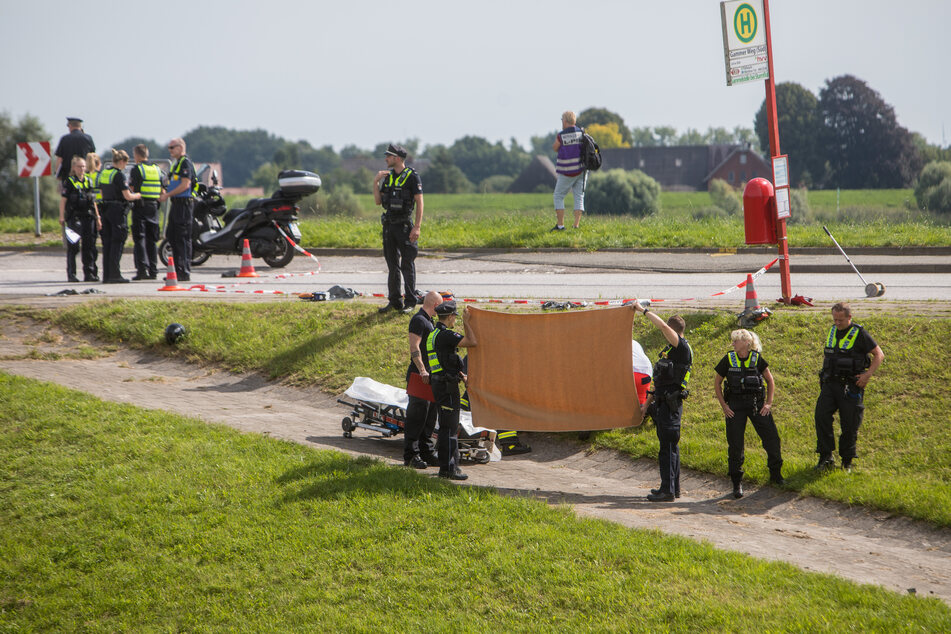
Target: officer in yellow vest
[81, 216]
[146, 179]
[846, 370]
[114, 210]
[181, 212]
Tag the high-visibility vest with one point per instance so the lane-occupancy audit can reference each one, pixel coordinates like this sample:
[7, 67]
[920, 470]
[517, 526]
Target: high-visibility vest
[398, 201]
[840, 357]
[93, 178]
[432, 358]
[743, 379]
[151, 187]
[669, 373]
[104, 181]
[175, 175]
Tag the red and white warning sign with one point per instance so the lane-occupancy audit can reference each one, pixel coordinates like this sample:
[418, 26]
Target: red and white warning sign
[33, 159]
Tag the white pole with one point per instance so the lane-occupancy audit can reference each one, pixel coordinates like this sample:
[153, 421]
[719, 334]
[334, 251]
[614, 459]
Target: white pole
[36, 204]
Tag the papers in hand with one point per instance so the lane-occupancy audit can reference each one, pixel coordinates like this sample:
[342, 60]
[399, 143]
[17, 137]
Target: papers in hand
[71, 235]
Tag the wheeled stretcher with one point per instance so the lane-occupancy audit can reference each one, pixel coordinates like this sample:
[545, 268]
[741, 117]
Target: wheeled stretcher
[382, 408]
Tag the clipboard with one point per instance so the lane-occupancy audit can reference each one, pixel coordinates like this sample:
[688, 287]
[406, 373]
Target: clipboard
[417, 388]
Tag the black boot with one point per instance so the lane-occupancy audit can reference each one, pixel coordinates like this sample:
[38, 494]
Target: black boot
[776, 477]
[737, 490]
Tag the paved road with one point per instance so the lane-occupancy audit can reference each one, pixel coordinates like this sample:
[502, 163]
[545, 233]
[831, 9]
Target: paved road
[538, 275]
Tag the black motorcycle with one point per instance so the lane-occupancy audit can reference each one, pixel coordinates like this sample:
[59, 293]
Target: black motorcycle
[216, 229]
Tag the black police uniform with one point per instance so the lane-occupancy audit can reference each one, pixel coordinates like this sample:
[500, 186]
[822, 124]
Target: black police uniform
[420, 413]
[76, 143]
[145, 221]
[846, 355]
[81, 218]
[671, 374]
[444, 367]
[745, 393]
[113, 210]
[398, 192]
[181, 216]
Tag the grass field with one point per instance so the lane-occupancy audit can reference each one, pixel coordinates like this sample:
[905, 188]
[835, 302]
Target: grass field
[686, 219]
[117, 519]
[903, 465]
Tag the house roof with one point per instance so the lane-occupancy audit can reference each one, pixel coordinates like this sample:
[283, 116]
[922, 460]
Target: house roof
[679, 167]
[540, 171]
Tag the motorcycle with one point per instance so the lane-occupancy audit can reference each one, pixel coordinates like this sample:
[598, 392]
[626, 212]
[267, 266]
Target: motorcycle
[218, 230]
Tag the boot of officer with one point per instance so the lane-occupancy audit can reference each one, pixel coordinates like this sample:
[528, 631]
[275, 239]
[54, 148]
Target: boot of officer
[445, 374]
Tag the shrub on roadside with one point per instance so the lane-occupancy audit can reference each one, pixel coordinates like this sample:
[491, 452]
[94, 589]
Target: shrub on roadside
[620, 192]
[933, 191]
[725, 197]
[495, 184]
[340, 202]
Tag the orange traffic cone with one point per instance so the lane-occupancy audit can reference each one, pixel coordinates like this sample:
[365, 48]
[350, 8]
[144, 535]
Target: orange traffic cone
[171, 279]
[752, 313]
[247, 268]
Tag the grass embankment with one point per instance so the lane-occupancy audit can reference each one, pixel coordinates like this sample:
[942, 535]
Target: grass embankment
[121, 519]
[903, 466]
[872, 218]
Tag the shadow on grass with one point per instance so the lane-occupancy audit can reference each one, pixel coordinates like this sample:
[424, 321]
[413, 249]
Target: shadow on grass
[334, 477]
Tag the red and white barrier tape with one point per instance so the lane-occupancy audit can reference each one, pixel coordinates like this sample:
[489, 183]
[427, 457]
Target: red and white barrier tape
[299, 249]
[724, 291]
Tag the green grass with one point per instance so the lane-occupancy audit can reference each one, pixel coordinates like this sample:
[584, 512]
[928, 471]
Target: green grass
[873, 218]
[121, 519]
[903, 443]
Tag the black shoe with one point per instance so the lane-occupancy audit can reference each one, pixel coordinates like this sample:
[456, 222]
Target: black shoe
[72, 278]
[151, 276]
[515, 449]
[389, 307]
[847, 465]
[825, 462]
[453, 475]
[738, 490]
[777, 479]
[140, 276]
[558, 228]
[658, 492]
[416, 462]
[660, 496]
[432, 461]
[184, 278]
[91, 278]
[408, 310]
[116, 280]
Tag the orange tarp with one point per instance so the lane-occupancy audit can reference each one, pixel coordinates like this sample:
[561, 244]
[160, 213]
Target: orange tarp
[552, 371]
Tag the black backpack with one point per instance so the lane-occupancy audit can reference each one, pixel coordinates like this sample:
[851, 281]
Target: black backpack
[590, 152]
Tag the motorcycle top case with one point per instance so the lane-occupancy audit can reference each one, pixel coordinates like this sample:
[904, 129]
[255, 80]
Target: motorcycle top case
[298, 182]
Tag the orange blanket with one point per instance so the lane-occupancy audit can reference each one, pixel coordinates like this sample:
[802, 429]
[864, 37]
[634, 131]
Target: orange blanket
[553, 371]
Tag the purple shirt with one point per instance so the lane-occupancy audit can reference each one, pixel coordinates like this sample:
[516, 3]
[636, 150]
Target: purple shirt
[569, 154]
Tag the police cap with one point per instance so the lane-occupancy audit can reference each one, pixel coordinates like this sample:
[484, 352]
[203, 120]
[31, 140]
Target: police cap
[73, 120]
[447, 308]
[395, 150]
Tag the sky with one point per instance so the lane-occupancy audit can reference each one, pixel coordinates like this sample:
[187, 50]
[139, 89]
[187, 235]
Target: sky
[364, 71]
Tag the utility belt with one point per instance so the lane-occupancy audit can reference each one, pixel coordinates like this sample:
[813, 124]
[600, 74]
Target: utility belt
[395, 218]
[440, 378]
[673, 397]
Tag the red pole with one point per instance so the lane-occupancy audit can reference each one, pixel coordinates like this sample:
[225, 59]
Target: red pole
[773, 124]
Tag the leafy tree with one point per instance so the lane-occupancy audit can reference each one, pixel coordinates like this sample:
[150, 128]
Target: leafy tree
[360, 181]
[691, 137]
[156, 149]
[478, 158]
[265, 177]
[666, 135]
[352, 151]
[301, 155]
[240, 152]
[541, 145]
[865, 146]
[725, 197]
[618, 192]
[607, 135]
[604, 116]
[798, 112]
[933, 191]
[496, 184]
[16, 194]
[643, 137]
[928, 152]
[444, 177]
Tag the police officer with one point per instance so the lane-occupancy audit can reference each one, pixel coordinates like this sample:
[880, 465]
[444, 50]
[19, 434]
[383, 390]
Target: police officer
[181, 212]
[115, 209]
[146, 179]
[748, 394]
[445, 373]
[846, 370]
[74, 143]
[671, 375]
[399, 191]
[419, 450]
[80, 215]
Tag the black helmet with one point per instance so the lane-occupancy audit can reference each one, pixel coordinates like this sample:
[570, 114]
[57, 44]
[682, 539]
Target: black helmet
[174, 332]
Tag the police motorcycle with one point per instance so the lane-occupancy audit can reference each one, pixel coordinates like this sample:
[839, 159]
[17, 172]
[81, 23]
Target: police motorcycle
[218, 230]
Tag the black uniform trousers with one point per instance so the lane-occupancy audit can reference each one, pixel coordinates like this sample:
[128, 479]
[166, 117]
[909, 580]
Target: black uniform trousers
[765, 427]
[114, 232]
[85, 225]
[181, 214]
[145, 235]
[667, 422]
[848, 399]
[400, 255]
[446, 393]
[418, 429]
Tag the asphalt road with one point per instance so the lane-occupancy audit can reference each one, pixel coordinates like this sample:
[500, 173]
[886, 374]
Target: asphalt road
[690, 277]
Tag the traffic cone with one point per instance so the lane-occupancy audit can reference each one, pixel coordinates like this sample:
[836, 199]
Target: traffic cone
[752, 313]
[247, 268]
[171, 278]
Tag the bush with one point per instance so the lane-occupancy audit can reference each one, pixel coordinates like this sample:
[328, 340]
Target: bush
[340, 202]
[618, 192]
[933, 191]
[496, 184]
[725, 197]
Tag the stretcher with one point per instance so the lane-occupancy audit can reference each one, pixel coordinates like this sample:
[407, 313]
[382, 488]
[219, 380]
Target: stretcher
[381, 408]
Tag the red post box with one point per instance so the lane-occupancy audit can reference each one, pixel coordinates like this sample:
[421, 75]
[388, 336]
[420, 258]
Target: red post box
[758, 212]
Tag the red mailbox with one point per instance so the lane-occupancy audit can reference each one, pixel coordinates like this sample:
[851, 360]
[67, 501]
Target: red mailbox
[758, 212]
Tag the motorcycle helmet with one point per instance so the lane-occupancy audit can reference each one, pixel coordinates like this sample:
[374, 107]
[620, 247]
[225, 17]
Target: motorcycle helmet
[173, 333]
